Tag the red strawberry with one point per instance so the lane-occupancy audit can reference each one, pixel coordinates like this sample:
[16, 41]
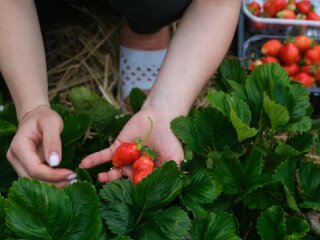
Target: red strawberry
[271, 47]
[254, 64]
[305, 79]
[304, 6]
[270, 59]
[254, 8]
[312, 56]
[289, 53]
[307, 69]
[313, 16]
[303, 42]
[126, 153]
[317, 75]
[271, 7]
[142, 167]
[292, 69]
[286, 14]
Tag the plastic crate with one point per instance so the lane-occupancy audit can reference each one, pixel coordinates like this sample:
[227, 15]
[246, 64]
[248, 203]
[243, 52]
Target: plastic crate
[251, 51]
[277, 26]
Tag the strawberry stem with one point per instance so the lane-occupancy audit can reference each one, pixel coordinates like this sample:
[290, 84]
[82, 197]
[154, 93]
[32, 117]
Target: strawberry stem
[149, 131]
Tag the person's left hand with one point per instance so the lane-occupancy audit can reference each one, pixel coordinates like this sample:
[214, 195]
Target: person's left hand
[161, 140]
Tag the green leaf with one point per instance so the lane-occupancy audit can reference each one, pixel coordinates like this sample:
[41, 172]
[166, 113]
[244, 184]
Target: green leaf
[117, 206]
[229, 173]
[296, 228]
[4, 233]
[38, 211]
[201, 186]
[265, 197]
[159, 188]
[277, 113]
[9, 114]
[137, 98]
[309, 181]
[220, 226]
[207, 130]
[243, 130]
[169, 224]
[301, 98]
[301, 142]
[82, 99]
[302, 124]
[122, 238]
[71, 131]
[86, 218]
[271, 224]
[61, 110]
[285, 173]
[7, 129]
[310, 205]
[286, 151]
[83, 175]
[230, 69]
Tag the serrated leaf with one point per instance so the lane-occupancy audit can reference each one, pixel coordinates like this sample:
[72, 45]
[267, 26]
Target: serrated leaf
[137, 98]
[301, 142]
[230, 69]
[286, 150]
[243, 130]
[4, 233]
[38, 211]
[7, 129]
[169, 224]
[82, 99]
[229, 173]
[220, 226]
[117, 206]
[309, 181]
[9, 114]
[102, 114]
[121, 238]
[159, 188]
[86, 218]
[265, 197]
[310, 205]
[301, 98]
[83, 175]
[71, 131]
[61, 110]
[206, 130]
[302, 124]
[285, 174]
[201, 186]
[237, 90]
[271, 224]
[296, 228]
[197, 209]
[277, 113]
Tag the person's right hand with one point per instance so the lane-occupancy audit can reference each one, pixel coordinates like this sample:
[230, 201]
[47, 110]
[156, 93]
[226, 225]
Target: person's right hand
[36, 148]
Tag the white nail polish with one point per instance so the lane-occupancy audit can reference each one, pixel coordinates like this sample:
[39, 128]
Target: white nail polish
[72, 182]
[72, 177]
[54, 160]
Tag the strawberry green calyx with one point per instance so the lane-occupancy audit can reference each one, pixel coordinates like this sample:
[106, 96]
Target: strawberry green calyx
[150, 153]
[139, 143]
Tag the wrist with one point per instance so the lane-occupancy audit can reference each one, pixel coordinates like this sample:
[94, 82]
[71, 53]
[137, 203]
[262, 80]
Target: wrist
[27, 109]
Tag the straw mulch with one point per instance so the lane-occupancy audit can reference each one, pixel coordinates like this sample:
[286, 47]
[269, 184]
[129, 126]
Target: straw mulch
[82, 49]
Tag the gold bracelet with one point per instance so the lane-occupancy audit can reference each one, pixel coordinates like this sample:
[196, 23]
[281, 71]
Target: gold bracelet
[33, 109]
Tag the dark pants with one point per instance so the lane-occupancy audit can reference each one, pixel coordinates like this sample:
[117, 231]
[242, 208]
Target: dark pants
[149, 16]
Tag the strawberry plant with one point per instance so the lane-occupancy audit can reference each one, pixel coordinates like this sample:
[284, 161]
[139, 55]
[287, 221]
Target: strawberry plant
[247, 174]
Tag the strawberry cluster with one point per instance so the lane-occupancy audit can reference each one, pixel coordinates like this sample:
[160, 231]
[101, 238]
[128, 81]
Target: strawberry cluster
[142, 159]
[286, 9]
[299, 56]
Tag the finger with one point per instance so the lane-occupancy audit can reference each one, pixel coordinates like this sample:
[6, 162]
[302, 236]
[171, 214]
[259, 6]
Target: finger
[51, 129]
[27, 155]
[16, 165]
[100, 157]
[113, 174]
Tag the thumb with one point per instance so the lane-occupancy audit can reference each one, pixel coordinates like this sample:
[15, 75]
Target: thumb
[51, 129]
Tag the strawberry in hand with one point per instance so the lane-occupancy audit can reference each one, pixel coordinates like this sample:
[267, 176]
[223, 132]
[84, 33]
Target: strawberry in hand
[144, 165]
[127, 153]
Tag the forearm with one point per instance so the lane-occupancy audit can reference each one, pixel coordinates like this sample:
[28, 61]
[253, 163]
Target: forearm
[196, 50]
[22, 58]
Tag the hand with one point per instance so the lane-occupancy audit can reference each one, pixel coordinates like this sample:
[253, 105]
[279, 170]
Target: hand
[161, 139]
[36, 145]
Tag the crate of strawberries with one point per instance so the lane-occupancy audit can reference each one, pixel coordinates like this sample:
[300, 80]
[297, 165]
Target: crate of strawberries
[299, 56]
[272, 15]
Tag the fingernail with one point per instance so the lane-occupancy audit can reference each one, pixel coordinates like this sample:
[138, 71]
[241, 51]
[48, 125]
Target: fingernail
[72, 177]
[72, 182]
[54, 159]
